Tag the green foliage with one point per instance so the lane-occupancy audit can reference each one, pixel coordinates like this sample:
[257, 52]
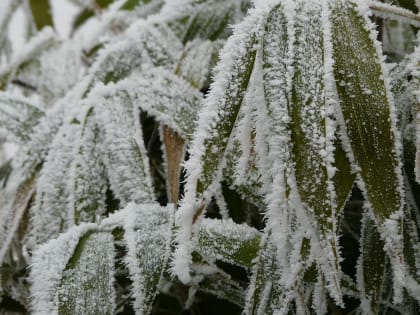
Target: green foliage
[169, 160]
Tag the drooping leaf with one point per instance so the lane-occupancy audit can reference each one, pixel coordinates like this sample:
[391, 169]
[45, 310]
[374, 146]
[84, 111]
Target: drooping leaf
[88, 185]
[215, 126]
[125, 156]
[197, 60]
[39, 43]
[41, 13]
[148, 250]
[263, 291]
[370, 129]
[50, 215]
[201, 19]
[87, 282]
[228, 241]
[371, 267]
[18, 116]
[48, 264]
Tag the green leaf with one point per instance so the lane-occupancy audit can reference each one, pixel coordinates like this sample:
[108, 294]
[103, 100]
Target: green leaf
[18, 116]
[371, 267]
[50, 260]
[228, 241]
[263, 292]
[197, 60]
[226, 100]
[86, 285]
[88, 192]
[148, 250]
[41, 13]
[368, 112]
[125, 156]
[344, 178]
[29, 55]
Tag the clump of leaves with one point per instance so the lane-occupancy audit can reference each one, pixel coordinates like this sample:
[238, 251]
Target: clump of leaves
[300, 188]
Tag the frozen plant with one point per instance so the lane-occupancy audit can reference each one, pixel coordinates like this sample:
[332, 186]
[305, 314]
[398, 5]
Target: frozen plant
[167, 159]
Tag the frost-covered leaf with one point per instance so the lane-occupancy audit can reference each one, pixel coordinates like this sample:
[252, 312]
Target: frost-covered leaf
[148, 250]
[201, 19]
[370, 129]
[172, 101]
[48, 265]
[15, 202]
[18, 116]
[50, 214]
[263, 291]
[197, 60]
[371, 267]
[228, 241]
[39, 43]
[313, 131]
[41, 13]
[221, 286]
[87, 282]
[125, 156]
[216, 122]
[143, 43]
[88, 182]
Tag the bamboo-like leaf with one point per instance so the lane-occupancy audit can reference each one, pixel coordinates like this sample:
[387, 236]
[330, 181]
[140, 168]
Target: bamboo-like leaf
[312, 131]
[224, 101]
[371, 267]
[125, 157]
[197, 60]
[11, 214]
[263, 292]
[172, 101]
[200, 19]
[148, 250]
[41, 13]
[87, 283]
[228, 241]
[215, 127]
[39, 43]
[88, 183]
[48, 264]
[50, 214]
[18, 115]
[224, 288]
[370, 129]
[370, 123]
[344, 178]
[144, 43]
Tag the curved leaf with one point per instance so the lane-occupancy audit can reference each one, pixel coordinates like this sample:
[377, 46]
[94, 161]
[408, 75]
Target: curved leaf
[18, 115]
